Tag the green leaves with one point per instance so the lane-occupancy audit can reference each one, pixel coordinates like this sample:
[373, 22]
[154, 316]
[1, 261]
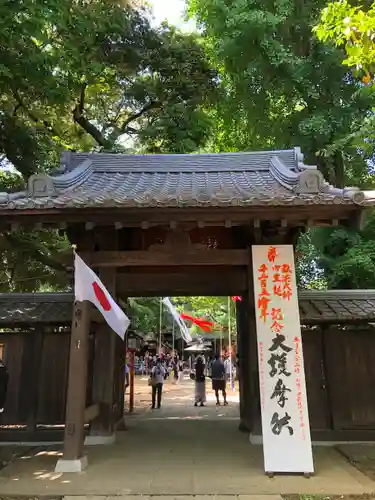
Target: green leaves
[82, 75]
[87, 75]
[353, 28]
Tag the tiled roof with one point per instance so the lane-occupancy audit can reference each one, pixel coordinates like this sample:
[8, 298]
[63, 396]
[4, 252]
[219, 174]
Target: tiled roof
[336, 306]
[333, 306]
[23, 308]
[188, 180]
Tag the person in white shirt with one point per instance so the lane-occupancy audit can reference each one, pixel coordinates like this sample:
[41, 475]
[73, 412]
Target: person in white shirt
[228, 368]
[127, 374]
[157, 381]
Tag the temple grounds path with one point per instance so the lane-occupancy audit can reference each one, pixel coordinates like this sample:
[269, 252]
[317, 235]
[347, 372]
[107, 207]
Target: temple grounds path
[178, 451]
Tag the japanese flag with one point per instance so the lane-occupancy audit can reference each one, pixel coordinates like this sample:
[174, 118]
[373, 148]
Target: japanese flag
[87, 286]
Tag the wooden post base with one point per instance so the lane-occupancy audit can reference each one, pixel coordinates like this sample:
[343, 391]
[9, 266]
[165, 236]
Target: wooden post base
[99, 440]
[76, 465]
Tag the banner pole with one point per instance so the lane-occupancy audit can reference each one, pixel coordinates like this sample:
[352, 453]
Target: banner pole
[173, 340]
[230, 343]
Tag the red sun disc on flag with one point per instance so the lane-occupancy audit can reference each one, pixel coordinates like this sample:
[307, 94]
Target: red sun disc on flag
[101, 296]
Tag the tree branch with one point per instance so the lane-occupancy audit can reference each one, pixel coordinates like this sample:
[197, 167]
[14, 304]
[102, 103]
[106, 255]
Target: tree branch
[31, 115]
[147, 107]
[35, 252]
[80, 118]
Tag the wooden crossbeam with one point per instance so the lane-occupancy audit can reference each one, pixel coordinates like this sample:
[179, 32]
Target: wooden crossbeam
[193, 257]
[185, 283]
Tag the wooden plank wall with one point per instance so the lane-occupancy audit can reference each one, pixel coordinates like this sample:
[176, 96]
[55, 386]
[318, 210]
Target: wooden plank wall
[350, 370]
[340, 377]
[339, 364]
[53, 377]
[37, 362]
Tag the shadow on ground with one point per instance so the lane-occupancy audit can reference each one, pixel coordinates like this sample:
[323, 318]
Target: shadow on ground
[179, 450]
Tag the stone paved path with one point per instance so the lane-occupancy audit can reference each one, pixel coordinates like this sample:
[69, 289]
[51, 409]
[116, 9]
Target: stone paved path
[179, 451]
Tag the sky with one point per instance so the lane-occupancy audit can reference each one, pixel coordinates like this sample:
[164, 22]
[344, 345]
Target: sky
[172, 11]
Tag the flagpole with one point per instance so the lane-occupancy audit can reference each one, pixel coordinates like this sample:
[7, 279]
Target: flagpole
[230, 343]
[160, 321]
[173, 340]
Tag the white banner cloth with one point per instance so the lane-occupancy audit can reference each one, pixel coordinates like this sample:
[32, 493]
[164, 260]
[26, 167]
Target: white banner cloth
[87, 286]
[285, 416]
[184, 329]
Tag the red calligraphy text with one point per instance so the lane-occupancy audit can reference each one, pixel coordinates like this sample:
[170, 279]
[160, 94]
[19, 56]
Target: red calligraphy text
[261, 372]
[297, 371]
[277, 320]
[272, 254]
[264, 295]
[282, 281]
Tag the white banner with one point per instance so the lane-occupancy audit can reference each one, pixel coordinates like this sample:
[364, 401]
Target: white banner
[184, 329]
[285, 417]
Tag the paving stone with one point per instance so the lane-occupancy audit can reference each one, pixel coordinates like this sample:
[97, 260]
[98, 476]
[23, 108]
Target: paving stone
[84, 497]
[259, 497]
[184, 455]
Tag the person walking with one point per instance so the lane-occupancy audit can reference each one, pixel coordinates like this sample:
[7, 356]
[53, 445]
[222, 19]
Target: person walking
[157, 381]
[218, 379]
[127, 375]
[180, 371]
[175, 371]
[200, 382]
[228, 369]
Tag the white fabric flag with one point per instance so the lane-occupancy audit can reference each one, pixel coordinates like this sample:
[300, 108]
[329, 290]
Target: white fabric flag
[184, 329]
[87, 286]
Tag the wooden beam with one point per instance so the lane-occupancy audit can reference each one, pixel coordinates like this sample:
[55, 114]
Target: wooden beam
[226, 282]
[193, 257]
[91, 412]
[133, 217]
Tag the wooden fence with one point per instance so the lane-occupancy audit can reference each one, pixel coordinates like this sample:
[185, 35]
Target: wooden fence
[340, 378]
[37, 361]
[339, 365]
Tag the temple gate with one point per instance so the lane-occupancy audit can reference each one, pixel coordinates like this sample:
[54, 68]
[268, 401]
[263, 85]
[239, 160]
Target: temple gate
[171, 224]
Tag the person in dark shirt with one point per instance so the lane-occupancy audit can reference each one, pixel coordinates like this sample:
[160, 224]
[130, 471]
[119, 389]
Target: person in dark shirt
[218, 379]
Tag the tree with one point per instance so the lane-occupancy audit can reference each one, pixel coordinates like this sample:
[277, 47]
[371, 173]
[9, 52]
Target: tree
[283, 86]
[93, 75]
[212, 308]
[353, 28]
[28, 259]
[338, 258]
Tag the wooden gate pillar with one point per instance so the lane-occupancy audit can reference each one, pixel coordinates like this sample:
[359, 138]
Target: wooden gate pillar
[249, 380]
[73, 459]
[102, 428]
[244, 365]
[105, 354]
